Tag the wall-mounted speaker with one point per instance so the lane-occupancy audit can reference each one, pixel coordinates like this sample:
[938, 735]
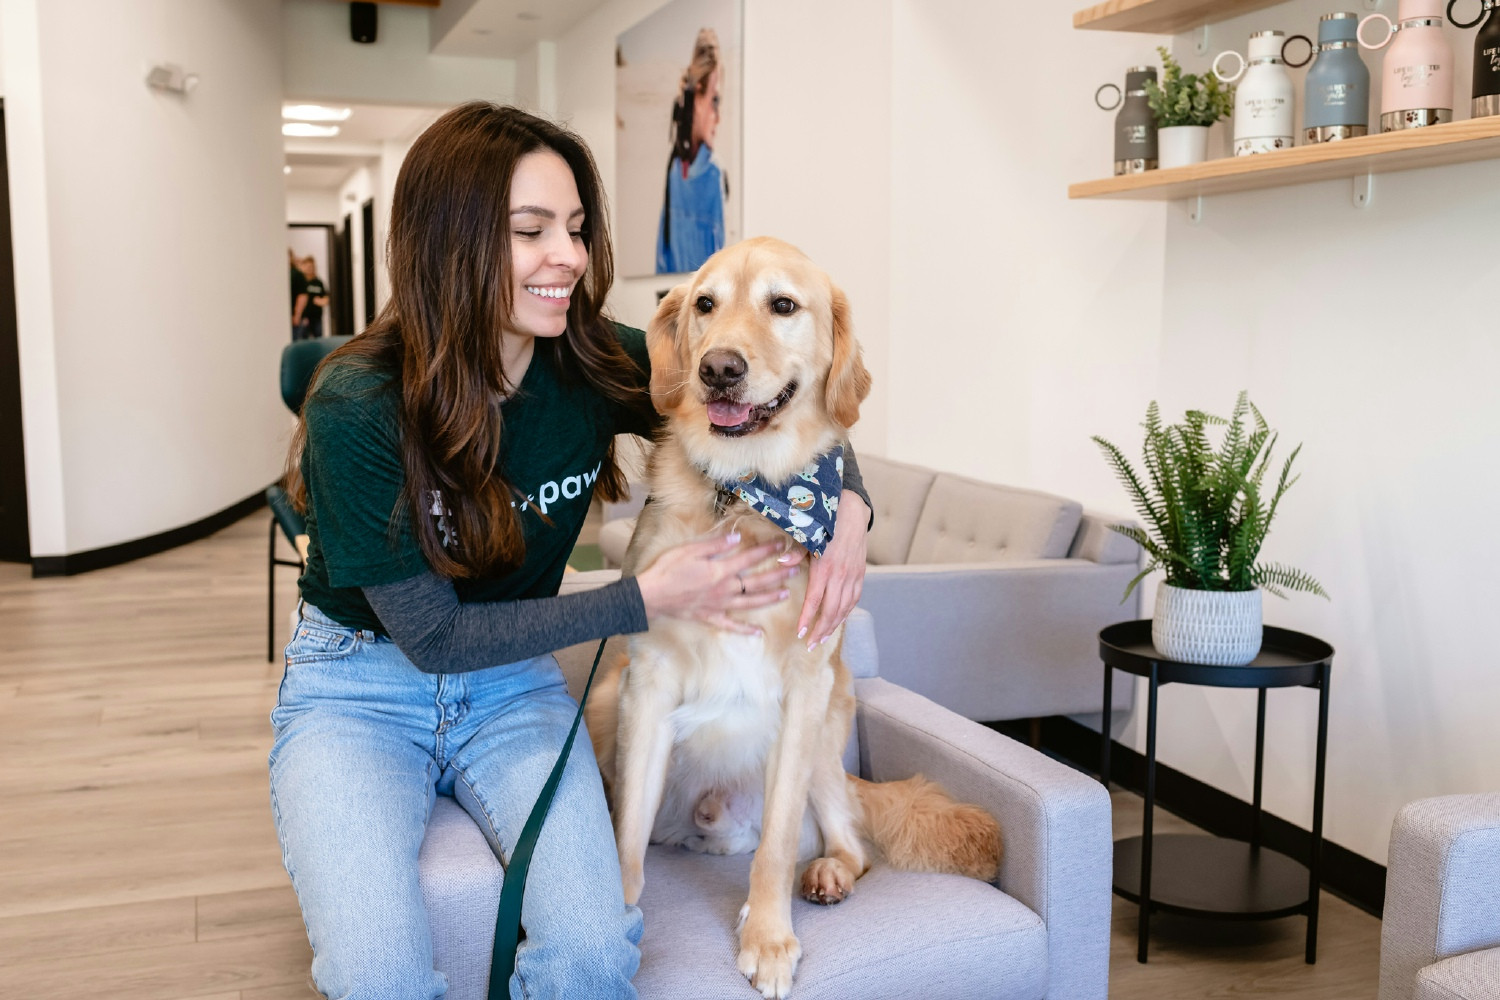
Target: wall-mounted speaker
[362, 22]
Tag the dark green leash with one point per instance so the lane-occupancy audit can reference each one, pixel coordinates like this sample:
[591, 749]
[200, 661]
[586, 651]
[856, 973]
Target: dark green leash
[508, 932]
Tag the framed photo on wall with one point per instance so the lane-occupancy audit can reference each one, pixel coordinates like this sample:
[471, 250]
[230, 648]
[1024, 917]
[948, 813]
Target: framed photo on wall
[677, 152]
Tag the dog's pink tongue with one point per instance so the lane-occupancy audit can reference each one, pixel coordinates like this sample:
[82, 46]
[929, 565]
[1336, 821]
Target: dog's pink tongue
[722, 414]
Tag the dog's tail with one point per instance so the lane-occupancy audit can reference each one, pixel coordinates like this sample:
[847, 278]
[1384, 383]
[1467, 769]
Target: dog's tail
[919, 827]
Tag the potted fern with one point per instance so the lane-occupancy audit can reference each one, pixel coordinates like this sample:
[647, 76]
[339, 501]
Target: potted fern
[1185, 105]
[1207, 513]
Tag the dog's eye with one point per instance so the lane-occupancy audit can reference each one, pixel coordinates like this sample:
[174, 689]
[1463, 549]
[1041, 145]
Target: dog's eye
[705, 304]
[783, 306]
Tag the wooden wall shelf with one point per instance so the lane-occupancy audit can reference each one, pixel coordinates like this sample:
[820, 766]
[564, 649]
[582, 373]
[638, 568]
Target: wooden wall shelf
[1436, 145]
[1162, 17]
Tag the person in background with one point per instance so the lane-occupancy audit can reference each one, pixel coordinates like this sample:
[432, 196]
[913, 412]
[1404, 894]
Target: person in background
[692, 211]
[317, 299]
[299, 294]
[446, 458]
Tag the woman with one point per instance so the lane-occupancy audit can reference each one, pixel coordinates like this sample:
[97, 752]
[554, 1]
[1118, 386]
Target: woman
[446, 460]
[692, 211]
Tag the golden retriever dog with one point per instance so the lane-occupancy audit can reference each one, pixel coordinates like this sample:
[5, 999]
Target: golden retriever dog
[718, 741]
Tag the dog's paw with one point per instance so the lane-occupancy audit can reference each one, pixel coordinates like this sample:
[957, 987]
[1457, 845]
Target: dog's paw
[827, 881]
[768, 956]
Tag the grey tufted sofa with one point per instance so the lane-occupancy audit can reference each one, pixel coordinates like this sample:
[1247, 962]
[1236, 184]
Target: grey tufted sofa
[987, 599]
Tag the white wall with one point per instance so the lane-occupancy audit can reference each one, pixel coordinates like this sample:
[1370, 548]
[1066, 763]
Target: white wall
[1008, 324]
[313, 205]
[1369, 336]
[324, 64]
[148, 277]
[840, 217]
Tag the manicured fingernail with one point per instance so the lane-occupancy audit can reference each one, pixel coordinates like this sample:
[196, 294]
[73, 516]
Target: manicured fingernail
[802, 633]
[783, 595]
[784, 558]
[733, 537]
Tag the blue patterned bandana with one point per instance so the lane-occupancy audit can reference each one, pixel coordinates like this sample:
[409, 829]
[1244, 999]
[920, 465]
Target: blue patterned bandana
[805, 506]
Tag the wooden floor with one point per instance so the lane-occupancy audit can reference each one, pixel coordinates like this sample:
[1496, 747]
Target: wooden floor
[137, 856]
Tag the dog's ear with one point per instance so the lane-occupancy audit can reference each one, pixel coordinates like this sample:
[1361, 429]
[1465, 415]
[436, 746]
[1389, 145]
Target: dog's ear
[666, 343]
[848, 378]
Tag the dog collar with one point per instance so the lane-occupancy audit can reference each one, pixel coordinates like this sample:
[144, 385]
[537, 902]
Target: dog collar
[804, 506]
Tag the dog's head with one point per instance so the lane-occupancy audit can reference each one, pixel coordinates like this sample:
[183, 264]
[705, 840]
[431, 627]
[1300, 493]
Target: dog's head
[754, 361]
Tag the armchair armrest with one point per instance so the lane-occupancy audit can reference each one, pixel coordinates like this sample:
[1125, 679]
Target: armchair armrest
[1000, 640]
[1055, 822]
[1442, 879]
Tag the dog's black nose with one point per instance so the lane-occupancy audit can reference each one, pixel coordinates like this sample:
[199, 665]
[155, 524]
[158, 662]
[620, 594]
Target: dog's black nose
[721, 369]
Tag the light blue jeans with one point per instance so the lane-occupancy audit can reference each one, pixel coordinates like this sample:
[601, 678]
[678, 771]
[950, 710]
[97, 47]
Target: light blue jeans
[364, 743]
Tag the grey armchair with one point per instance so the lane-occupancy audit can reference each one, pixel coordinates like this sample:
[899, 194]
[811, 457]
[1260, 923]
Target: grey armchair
[1440, 933]
[1042, 932]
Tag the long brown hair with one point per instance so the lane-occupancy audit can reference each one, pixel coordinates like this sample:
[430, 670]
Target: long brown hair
[450, 273]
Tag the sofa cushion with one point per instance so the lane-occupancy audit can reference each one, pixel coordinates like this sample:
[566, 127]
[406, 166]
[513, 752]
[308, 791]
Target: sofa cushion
[898, 935]
[1098, 542]
[967, 521]
[898, 492]
[1475, 976]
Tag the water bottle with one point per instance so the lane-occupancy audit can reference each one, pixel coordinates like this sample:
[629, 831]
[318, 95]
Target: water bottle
[1416, 86]
[1265, 100]
[1486, 91]
[1135, 126]
[1336, 95]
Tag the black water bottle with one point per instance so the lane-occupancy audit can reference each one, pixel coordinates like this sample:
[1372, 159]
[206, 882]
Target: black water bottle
[1135, 126]
[1486, 90]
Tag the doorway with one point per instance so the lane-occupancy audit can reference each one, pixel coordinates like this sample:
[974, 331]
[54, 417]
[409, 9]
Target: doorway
[15, 531]
[367, 234]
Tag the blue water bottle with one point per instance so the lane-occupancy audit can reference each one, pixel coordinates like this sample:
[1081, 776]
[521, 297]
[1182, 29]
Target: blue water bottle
[1336, 98]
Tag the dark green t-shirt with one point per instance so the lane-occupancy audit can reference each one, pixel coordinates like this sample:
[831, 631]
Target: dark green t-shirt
[555, 437]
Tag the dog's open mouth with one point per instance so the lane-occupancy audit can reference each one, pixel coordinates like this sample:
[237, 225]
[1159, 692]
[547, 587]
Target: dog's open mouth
[731, 419]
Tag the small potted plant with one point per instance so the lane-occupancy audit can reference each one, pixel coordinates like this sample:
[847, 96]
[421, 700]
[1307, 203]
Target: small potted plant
[1184, 106]
[1207, 514]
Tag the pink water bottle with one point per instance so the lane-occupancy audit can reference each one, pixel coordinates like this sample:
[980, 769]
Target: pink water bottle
[1417, 81]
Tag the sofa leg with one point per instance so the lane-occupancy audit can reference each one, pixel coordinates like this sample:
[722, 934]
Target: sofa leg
[1034, 728]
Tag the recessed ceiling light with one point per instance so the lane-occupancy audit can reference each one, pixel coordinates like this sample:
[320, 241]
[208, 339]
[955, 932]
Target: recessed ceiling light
[314, 113]
[306, 130]
[527, 15]
[287, 169]
[481, 31]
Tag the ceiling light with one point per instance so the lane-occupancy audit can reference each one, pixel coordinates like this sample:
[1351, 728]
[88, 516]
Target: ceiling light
[287, 169]
[526, 15]
[314, 113]
[305, 130]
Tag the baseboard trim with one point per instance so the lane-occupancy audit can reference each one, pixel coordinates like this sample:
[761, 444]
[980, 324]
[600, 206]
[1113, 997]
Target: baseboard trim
[1351, 877]
[114, 555]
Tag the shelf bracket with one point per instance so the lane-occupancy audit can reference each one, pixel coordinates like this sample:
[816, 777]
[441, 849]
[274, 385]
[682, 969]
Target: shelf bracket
[1195, 209]
[1363, 189]
[1200, 40]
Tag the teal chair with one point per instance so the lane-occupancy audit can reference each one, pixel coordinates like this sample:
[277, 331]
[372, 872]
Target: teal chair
[298, 361]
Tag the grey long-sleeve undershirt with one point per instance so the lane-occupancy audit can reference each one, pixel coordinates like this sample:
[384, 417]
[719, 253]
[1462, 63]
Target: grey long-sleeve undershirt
[442, 635]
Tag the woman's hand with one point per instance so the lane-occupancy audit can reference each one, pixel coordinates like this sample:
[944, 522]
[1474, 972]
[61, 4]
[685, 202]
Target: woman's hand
[837, 577]
[708, 579]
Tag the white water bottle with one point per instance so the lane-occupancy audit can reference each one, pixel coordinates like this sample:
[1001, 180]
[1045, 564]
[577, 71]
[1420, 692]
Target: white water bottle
[1265, 108]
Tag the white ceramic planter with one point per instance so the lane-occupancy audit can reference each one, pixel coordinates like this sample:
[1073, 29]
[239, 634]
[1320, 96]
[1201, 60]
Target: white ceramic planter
[1181, 145]
[1221, 628]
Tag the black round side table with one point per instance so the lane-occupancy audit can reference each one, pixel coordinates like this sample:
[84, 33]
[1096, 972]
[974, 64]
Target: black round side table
[1213, 876]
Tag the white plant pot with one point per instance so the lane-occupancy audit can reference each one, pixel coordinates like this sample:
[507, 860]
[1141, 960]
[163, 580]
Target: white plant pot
[1181, 145]
[1221, 628]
